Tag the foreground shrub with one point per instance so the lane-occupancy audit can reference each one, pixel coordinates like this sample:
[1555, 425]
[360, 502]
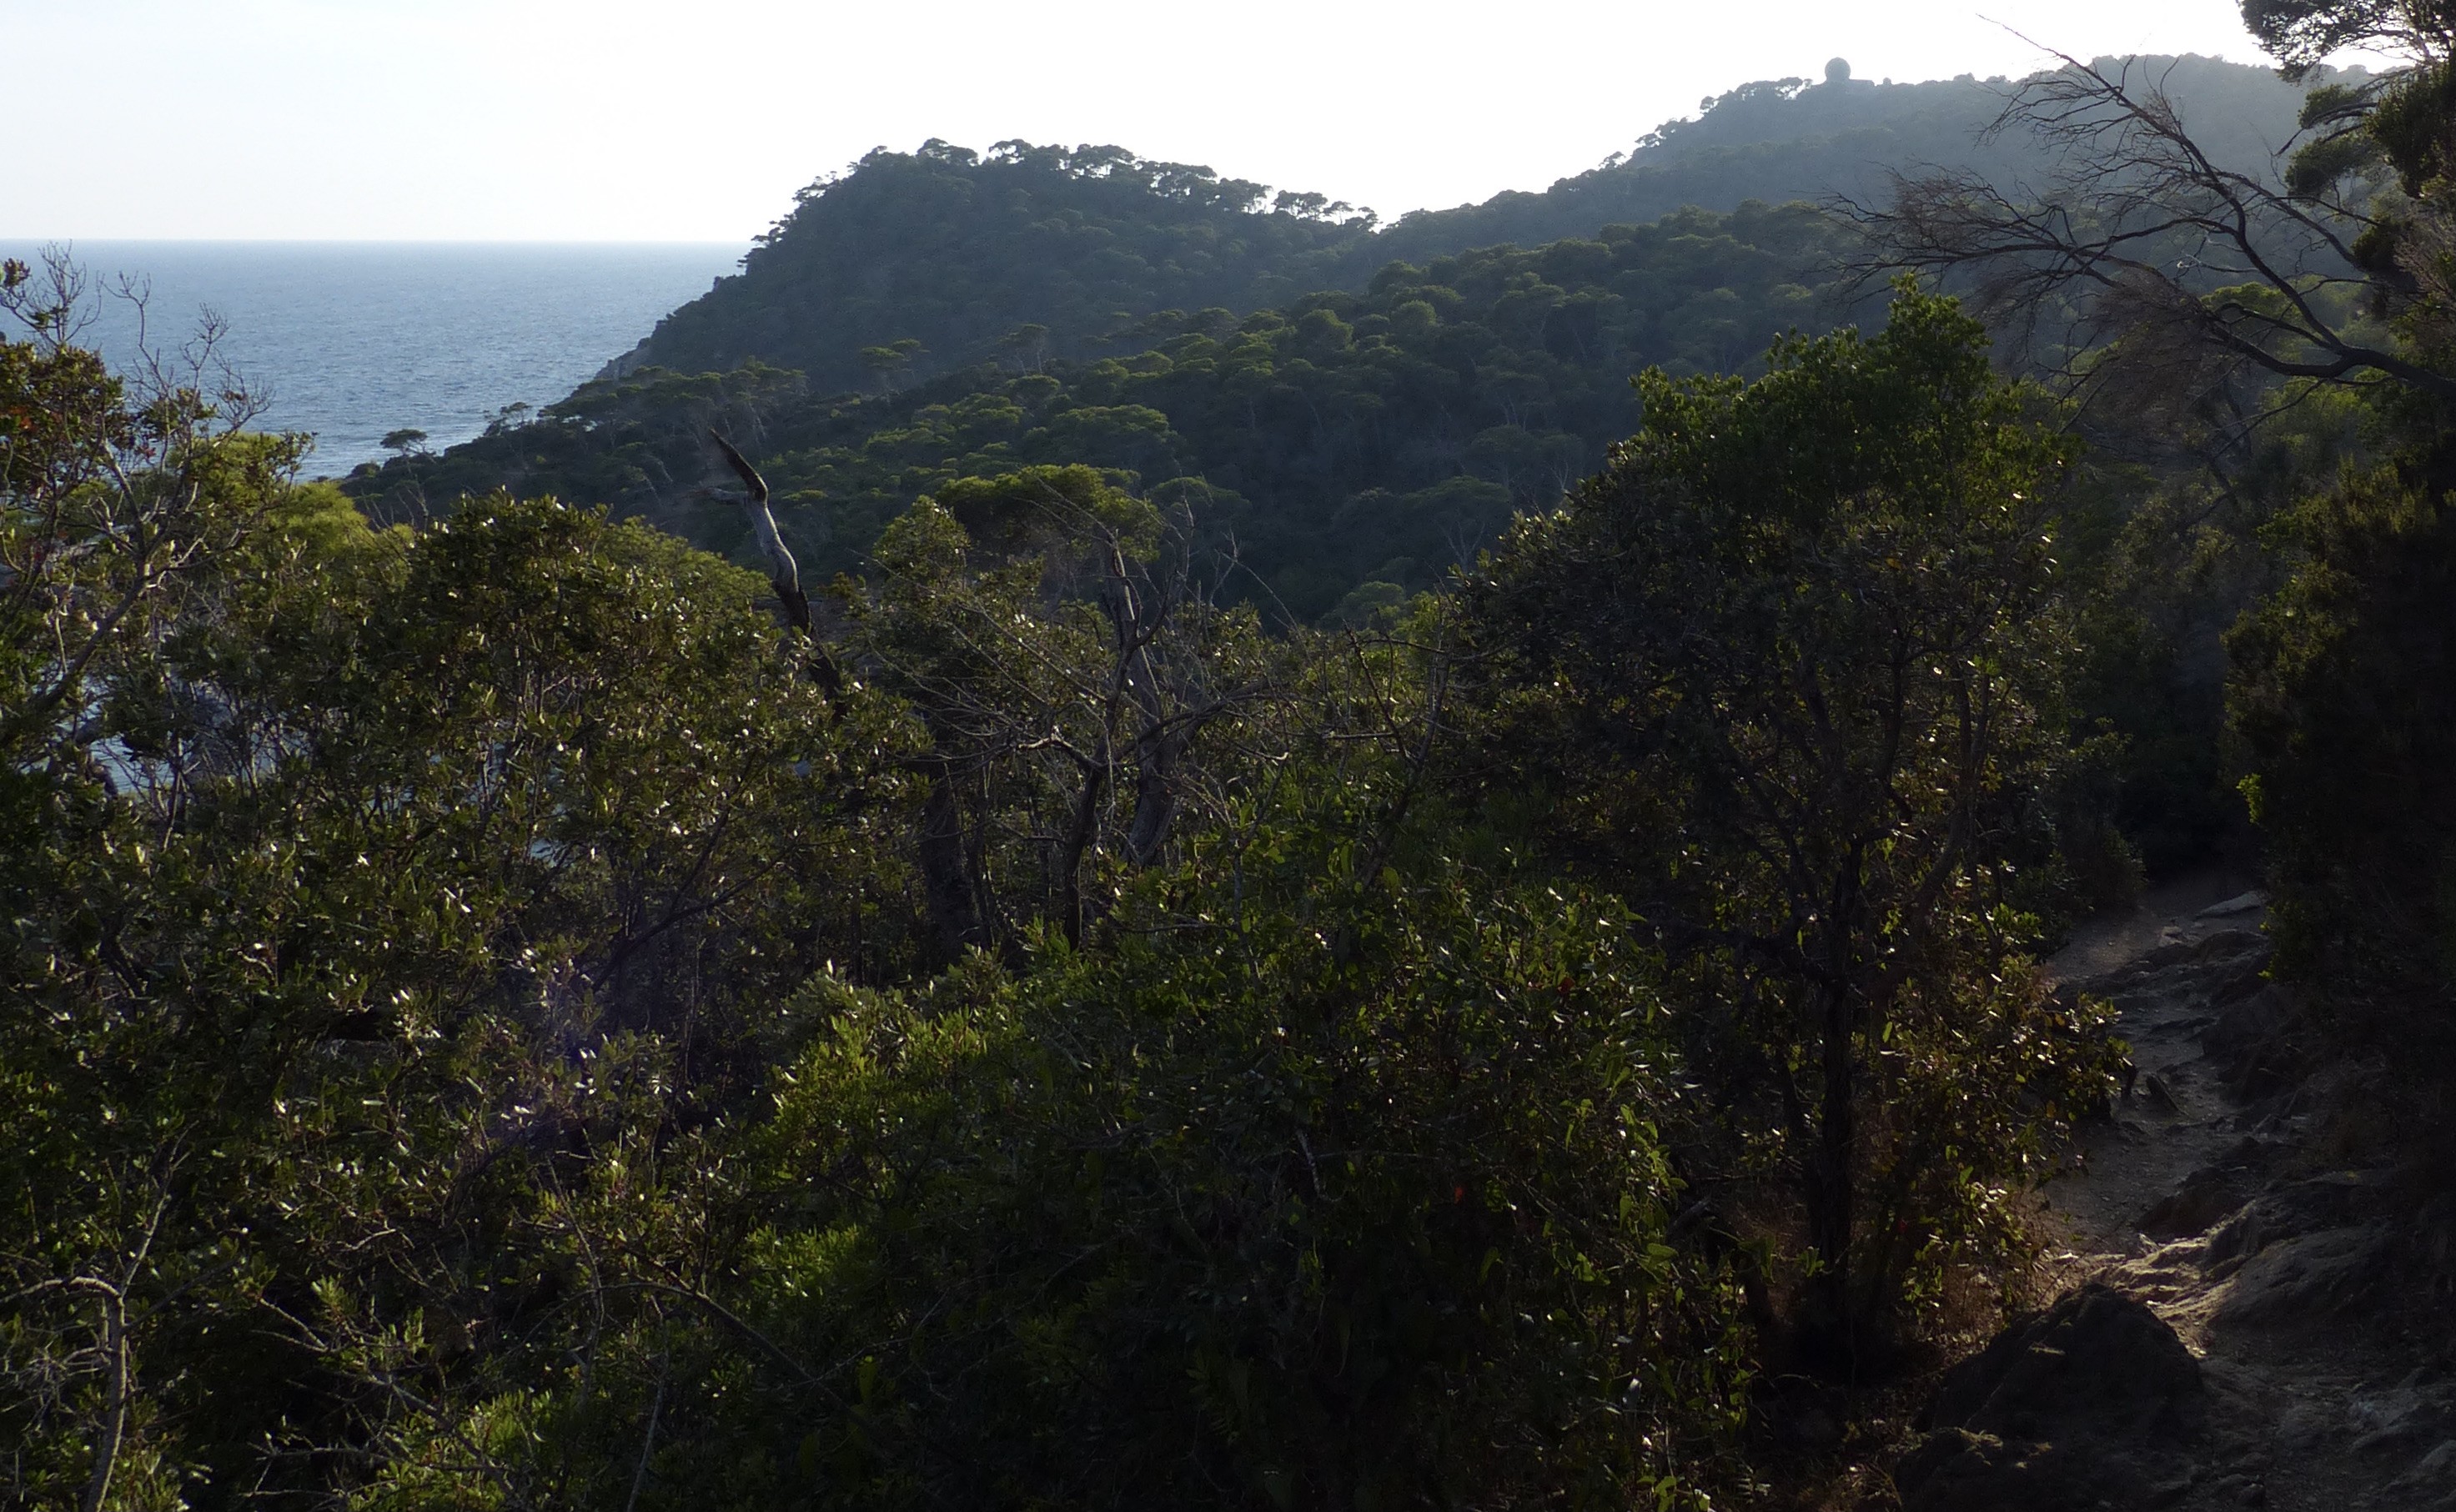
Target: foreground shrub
[1366, 1208]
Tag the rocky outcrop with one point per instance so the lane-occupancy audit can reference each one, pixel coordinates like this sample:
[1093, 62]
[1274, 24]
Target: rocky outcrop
[2094, 1402]
[623, 366]
[2217, 967]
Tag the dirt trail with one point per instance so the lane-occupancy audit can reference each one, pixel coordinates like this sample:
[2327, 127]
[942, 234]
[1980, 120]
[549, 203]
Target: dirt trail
[2226, 1194]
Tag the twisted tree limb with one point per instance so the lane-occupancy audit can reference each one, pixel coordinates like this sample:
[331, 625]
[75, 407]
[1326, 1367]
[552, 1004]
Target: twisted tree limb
[783, 571]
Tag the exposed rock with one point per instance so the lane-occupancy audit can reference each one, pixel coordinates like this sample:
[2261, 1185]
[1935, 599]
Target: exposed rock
[2240, 903]
[2312, 1275]
[2421, 1409]
[623, 366]
[2434, 1232]
[2305, 1425]
[2093, 1401]
[2337, 1200]
[2252, 1037]
[2227, 944]
[2298, 1285]
[2217, 966]
[2205, 1196]
[2434, 1474]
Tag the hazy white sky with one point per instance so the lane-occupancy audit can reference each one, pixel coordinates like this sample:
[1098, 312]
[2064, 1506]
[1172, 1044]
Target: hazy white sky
[628, 120]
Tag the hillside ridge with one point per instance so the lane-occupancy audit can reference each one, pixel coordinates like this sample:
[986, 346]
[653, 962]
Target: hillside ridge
[909, 264]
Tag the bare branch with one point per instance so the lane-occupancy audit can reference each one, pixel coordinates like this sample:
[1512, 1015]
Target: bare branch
[2140, 243]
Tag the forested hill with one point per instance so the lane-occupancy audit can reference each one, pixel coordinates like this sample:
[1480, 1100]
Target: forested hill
[1346, 448]
[914, 264]
[1781, 139]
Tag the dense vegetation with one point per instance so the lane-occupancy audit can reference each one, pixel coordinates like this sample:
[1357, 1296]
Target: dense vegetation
[1352, 447]
[492, 1023]
[1133, 1002]
[911, 262]
[2344, 679]
[907, 265]
[1794, 138]
[2302, 356]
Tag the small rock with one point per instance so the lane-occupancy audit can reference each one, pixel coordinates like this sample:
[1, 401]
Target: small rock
[2240, 903]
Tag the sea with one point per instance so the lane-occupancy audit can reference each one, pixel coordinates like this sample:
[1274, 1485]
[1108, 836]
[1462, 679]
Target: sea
[349, 342]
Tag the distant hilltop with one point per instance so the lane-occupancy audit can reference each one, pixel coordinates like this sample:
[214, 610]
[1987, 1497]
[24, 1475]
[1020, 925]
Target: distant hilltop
[925, 262]
[1356, 409]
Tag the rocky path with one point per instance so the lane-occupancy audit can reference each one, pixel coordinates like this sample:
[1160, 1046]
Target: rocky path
[2235, 1193]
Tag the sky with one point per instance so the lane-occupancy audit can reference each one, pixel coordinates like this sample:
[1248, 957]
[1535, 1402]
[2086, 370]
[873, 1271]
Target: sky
[622, 121]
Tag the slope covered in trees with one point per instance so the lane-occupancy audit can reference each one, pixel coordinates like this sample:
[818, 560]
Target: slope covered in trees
[912, 264]
[1796, 138]
[1345, 444]
[492, 1020]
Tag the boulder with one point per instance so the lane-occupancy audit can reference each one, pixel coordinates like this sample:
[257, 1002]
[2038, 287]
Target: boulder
[2313, 1275]
[2094, 1401]
[2252, 1038]
[2417, 1411]
[2240, 903]
[2339, 1199]
[2205, 1196]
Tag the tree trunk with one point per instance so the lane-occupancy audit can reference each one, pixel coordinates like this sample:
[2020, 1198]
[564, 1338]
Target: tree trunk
[946, 870]
[1077, 844]
[1154, 798]
[113, 1428]
[1833, 1323]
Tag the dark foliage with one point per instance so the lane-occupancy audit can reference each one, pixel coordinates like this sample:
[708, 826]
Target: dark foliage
[1348, 448]
[1786, 674]
[490, 1023]
[1784, 139]
[1026, 252]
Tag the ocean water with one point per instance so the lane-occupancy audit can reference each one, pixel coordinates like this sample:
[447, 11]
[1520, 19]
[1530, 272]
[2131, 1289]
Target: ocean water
[350, 340]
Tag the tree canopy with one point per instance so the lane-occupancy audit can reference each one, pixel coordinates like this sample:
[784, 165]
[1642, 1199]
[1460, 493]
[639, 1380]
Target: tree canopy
[961, 251]
[1341, 444]
[956, 251]
[496, 1018]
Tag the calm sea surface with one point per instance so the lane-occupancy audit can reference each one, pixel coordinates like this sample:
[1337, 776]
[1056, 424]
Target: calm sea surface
[351, 339]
